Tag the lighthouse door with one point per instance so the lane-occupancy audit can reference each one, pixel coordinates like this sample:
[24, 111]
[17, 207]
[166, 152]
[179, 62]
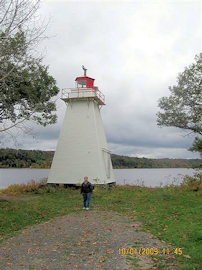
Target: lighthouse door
[106, 159]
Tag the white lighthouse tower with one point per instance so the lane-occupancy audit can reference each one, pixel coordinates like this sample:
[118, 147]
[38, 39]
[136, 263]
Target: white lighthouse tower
[82, 147]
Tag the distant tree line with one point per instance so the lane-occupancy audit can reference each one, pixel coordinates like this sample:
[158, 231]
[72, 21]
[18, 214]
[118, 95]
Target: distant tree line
[120, 162]
[12, 158]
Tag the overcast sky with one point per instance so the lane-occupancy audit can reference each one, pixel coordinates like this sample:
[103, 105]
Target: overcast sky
[134, 51]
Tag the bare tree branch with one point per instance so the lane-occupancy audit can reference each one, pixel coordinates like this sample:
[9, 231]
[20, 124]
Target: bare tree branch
[26, 88]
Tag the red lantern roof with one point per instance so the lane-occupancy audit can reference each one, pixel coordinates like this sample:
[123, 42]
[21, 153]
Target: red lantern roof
[84, 81]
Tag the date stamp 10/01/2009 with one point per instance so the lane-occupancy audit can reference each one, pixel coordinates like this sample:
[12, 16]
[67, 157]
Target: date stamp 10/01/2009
[149, 251]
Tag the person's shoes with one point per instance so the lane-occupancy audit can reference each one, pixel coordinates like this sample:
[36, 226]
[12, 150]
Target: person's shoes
[84, 208]
[87, 208]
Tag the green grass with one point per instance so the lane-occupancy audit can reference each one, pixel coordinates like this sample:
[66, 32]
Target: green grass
[16, 215]
[134, 261]
[172, 214]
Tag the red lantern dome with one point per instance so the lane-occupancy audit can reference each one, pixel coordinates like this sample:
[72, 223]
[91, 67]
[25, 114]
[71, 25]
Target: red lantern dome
[85, 82]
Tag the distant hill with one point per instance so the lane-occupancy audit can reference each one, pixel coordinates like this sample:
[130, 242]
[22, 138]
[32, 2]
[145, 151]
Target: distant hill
[11, 158]
[135, 162]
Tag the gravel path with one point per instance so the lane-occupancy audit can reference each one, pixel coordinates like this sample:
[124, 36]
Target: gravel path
[88, 240]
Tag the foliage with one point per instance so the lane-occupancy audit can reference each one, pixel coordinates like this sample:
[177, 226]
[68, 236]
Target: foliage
[31, 186]
[21, 29]
[183, 108]
[192, 182]
[25, 158]
[26, 88]
[135, 162]
[197, 146]
[12, 158]
[26, 93]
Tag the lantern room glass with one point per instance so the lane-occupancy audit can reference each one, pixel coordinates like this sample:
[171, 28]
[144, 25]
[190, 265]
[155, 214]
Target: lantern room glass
[81, 84]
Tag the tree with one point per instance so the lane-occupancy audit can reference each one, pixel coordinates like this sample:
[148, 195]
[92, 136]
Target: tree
[197, 146]
[20, 16]
[20, 31]
[183, 108]
[25, 95]
[26, 88]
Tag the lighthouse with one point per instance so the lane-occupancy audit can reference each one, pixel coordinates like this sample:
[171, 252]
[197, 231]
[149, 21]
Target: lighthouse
[82, 146]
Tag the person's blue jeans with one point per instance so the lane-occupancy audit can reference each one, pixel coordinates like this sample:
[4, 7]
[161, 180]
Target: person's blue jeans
[86, 199]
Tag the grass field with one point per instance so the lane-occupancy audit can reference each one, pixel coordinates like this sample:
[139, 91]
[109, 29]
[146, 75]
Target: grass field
[172, 214]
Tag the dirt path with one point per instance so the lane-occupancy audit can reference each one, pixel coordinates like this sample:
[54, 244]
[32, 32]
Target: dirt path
[88, 240]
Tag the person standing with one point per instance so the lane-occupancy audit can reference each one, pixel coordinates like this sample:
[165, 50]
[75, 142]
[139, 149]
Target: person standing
[86, 191]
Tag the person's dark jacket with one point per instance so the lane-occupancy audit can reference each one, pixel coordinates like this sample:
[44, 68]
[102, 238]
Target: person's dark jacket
[86, 188]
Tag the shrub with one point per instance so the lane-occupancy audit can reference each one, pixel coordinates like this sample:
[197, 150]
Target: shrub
[192, 182]
[16, 189]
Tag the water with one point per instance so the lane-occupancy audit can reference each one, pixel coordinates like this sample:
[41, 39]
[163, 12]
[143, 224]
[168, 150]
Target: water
[21, 176]
[149, 177]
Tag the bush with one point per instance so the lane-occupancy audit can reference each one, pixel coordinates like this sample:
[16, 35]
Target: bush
[31, 186]
[192, 182]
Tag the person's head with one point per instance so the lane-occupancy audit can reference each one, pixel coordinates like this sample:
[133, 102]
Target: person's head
[85, 179]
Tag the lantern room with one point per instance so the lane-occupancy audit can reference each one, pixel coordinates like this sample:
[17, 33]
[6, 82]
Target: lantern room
[83, 90]
[85, 82]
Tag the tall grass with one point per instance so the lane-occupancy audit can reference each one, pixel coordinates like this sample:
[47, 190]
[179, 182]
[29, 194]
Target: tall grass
[192, 182]
[31, 186]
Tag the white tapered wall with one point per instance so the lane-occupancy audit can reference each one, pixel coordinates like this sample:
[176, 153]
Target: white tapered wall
[82, 147]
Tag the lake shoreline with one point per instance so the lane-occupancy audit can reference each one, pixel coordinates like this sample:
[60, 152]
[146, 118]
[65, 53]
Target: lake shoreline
[155, 177]
[19, 158]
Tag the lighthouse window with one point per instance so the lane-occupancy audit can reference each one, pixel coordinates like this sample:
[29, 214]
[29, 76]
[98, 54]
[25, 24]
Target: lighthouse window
[82, 84]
